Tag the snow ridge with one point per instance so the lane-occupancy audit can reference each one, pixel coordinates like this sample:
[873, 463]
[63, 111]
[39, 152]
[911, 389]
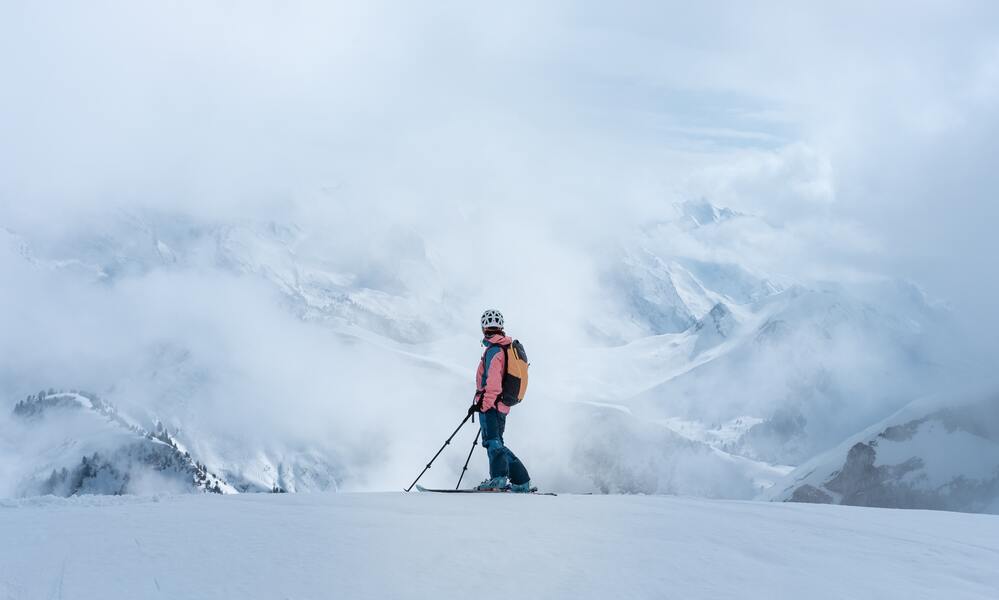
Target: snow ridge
[112, 469]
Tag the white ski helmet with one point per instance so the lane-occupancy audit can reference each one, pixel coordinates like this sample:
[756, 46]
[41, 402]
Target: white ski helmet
[492, 318]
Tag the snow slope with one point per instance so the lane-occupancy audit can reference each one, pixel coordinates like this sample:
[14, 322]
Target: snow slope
[76, 443]
[396, 545]
[810, 362]
[936, 453]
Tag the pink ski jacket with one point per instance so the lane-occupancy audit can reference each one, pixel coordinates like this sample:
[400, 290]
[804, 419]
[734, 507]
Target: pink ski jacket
[489, 376]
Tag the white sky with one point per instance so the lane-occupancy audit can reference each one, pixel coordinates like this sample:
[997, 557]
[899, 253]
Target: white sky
[867, 129]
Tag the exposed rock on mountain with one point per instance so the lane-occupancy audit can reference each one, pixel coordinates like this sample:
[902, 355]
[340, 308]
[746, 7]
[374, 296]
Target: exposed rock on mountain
[946, 459]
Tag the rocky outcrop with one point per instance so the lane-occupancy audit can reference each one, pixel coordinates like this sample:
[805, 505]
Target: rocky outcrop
[945, 460]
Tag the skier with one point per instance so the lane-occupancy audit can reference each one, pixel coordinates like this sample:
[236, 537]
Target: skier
[506, 472]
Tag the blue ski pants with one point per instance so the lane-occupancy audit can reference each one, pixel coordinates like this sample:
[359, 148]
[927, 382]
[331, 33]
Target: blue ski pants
[502, 462]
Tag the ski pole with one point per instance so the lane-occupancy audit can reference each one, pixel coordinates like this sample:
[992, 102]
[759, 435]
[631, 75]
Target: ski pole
[448, 441]
[475, 442]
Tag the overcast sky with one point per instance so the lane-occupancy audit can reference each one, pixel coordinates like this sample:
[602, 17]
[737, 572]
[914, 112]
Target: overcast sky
[868, 130]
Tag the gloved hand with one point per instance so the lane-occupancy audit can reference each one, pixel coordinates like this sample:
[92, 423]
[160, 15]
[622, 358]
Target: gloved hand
[474, 408]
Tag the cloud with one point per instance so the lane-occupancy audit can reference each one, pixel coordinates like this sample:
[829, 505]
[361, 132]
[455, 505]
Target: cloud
[480, 156]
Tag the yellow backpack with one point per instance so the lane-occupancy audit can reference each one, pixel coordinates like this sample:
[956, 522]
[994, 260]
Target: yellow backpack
[514, 373]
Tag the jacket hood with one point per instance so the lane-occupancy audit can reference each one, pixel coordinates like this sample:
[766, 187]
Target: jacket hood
[497, 339]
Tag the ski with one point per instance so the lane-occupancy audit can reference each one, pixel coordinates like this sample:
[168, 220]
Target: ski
[533, 491]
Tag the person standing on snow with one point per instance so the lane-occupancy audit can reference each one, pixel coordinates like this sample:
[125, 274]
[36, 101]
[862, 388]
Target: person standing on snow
[506, 472]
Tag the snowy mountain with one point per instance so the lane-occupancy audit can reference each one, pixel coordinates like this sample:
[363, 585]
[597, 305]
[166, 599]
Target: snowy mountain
[71, 443]
[670, 274]
[272, 353]
[625, 454]
[806, 361]
[925, 456]
[804, 365]
[316, 282]
[75, 443]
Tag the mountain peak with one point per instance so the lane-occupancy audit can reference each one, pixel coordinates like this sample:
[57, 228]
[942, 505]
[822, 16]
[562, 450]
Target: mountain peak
[700, 212]
[714, 328]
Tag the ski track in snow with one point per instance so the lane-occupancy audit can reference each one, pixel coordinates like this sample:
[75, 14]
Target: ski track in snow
[395, 545]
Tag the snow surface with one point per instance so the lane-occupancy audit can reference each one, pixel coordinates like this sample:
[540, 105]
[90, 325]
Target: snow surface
[397, 545]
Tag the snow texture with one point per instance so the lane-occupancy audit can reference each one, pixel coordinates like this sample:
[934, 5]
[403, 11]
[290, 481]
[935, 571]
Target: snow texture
[397, 545]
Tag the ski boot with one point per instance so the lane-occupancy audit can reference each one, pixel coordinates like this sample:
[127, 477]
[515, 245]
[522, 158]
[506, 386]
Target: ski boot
[521, 488]
[496, 484]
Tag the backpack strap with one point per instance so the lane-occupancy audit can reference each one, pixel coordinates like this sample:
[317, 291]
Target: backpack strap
[485, 367]
[506, 356]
